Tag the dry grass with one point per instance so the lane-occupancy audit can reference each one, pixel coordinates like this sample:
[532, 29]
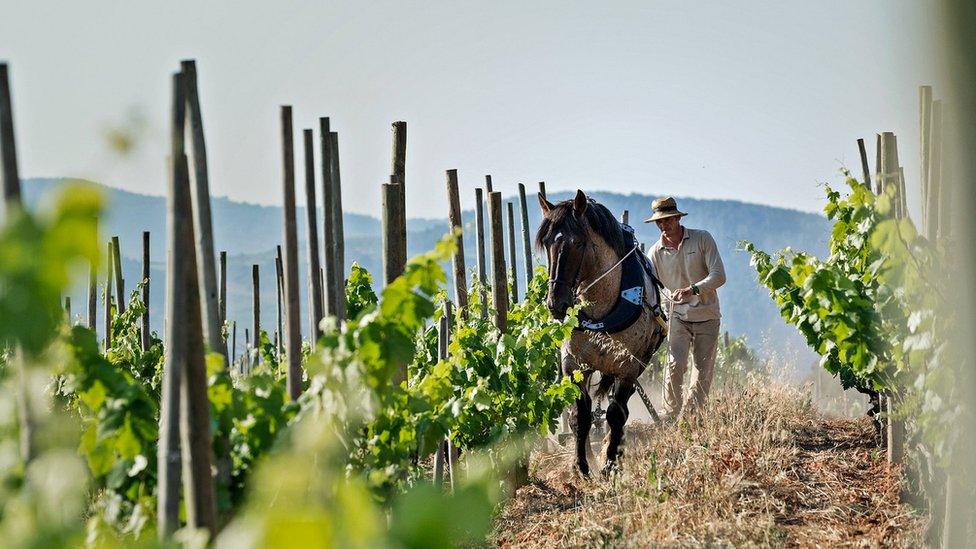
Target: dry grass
[759, 468]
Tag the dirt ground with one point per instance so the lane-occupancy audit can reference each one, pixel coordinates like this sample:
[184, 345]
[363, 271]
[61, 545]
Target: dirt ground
[760, 467]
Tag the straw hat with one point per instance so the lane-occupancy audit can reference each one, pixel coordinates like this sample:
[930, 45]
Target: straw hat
[662, 208]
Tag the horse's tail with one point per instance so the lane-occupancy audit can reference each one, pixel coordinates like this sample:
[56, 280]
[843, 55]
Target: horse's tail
[606, 383]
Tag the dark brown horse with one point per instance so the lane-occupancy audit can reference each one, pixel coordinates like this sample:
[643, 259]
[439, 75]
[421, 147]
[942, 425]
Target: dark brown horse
[591, 256]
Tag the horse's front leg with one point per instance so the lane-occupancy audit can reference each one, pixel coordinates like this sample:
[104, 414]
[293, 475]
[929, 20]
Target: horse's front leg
[617, 413]
[581, 422]
[581, 418]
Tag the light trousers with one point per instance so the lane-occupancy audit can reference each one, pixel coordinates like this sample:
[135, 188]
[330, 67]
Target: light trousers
[700, 340]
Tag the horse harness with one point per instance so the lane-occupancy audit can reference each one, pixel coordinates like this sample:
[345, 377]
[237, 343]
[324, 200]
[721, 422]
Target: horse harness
[630, 300]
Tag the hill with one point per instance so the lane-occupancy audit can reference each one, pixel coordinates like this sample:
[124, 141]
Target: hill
[250, 232]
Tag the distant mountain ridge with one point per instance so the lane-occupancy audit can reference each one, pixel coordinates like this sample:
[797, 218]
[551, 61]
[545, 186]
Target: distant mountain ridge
[250, 232]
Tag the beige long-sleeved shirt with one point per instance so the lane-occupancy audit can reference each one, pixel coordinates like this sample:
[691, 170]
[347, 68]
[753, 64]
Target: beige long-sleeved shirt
[696, 261]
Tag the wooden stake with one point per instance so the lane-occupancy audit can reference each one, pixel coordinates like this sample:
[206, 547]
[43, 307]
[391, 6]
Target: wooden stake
[233, 342]
[443, 341]
[223, 287]
[315, 288]
[108, 297]
[479, 219]
[146, 336]
[488, 234]
[9, 175]
[454, 216]
[924, 134]
[625, 217]
[279, 291]
[119, 283]
[498, 289]
[92, 297]
[195, 439]
[202, 223]
[526, 237]
[400, 152]
[67, 309]
[174, 333]
[394, 235]
[864, 163]
[878, 168]
[329, 262]
[934, 199]
[338, 233]
[293, 317]
[513, 267]
[256, 307]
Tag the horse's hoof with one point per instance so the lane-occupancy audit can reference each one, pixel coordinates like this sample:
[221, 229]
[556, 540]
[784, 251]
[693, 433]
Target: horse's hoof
[609, 469]
[584, 470]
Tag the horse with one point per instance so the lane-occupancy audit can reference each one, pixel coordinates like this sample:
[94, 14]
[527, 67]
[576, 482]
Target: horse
[592, 260]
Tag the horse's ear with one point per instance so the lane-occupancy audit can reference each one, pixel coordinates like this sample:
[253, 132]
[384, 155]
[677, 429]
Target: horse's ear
[545, 204]
[579, 203]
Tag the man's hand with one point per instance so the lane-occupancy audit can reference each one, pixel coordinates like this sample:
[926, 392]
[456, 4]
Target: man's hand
[681, 295]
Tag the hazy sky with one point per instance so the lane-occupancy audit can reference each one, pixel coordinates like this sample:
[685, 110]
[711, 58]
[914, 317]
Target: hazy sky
[701, 99]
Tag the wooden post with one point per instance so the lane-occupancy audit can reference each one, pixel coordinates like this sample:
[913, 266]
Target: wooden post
[896, 428]
[338, 234]
[202, 223]
[223, 287]
[92, 297]
[394, 236]
[499, 293]
[256, 307]
[513, 266]
[889, 164]
[445, 450]
[924, 134]
[526, 237]
[315, 288]
[454, 216]
[146, 336]
[891, 178]
[119, 284]
[399, 152]
[542, 188]
[488, 235]
[482, 271]
[442, 354]
[279, 291]
[934, 199]
[878, 168]
[9, 175]
[293, 317]
[108, 297]
[174, 333]
[902, 195]
[328, 221]
[10, 183]
[479, 219]
[195, 439]
[625, 217]
[233, 342]
[864, 163]
[246, 359]
[67, 309]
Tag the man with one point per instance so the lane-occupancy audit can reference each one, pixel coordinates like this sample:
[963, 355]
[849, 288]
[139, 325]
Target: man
[688, 264]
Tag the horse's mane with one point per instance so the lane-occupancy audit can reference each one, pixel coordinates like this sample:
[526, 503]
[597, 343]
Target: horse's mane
[562, 219]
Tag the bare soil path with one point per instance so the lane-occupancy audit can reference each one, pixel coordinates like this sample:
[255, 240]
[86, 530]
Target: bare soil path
[759, 468]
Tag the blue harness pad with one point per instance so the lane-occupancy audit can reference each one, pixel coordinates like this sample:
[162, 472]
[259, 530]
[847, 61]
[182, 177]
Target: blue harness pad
[630, 300]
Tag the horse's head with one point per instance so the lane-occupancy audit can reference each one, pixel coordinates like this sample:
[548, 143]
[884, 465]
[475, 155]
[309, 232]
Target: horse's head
[563, 236]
